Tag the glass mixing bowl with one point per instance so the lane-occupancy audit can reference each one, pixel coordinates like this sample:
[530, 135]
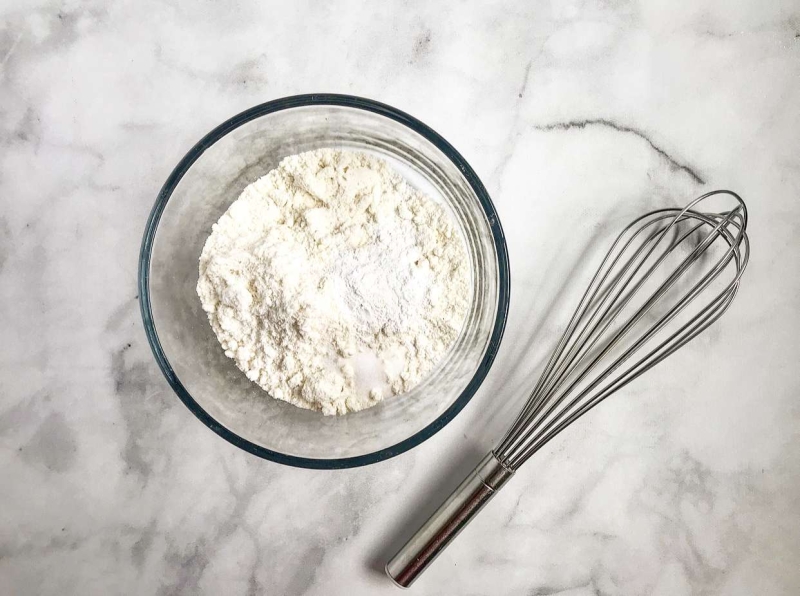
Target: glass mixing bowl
[209, 178]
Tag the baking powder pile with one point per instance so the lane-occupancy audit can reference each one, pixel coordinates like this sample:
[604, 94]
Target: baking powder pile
[332, 282]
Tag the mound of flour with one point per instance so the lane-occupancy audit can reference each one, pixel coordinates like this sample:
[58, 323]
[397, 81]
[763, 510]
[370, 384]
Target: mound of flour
[333, 283]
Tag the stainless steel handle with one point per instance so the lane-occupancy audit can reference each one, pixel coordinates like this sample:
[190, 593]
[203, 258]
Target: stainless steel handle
[444, 525]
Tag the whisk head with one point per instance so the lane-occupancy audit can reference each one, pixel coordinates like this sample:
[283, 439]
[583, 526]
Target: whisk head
[668, 276]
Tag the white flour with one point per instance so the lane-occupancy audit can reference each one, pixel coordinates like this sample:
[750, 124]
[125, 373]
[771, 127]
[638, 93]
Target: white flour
[332, 282]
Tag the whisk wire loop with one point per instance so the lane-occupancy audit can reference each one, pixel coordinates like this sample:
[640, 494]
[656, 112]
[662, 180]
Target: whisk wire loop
[564, 392]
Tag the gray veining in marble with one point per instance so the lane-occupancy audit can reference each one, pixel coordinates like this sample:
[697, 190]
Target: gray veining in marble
[580, 112]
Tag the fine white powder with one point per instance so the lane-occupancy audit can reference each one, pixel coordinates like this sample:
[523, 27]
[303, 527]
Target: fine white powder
[333, 283]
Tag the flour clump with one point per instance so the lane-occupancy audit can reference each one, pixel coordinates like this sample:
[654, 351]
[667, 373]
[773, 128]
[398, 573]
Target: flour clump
[333, 283]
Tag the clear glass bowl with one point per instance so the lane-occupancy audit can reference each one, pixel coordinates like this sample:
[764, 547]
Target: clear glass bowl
[209, 178]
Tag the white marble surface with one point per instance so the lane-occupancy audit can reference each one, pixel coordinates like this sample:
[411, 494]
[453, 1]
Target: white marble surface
[576, 115]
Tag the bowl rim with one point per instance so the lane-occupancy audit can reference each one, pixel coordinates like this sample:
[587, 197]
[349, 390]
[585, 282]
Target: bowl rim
[450, 152]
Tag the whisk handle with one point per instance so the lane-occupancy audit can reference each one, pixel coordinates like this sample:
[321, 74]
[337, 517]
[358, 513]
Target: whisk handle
[444, 525]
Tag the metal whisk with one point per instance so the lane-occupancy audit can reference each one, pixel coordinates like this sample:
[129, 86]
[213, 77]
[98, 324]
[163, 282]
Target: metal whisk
[668, 276]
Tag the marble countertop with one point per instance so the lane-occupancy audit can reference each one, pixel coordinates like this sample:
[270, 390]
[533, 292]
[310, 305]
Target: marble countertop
[576, 115]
